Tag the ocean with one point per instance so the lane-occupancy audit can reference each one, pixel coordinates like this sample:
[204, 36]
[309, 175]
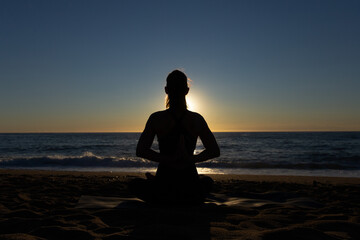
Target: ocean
[262, 153]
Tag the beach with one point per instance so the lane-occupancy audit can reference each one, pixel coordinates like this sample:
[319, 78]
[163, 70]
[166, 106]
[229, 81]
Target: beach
[37, 204]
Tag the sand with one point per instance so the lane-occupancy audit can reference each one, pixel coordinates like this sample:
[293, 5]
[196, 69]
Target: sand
[43, 205]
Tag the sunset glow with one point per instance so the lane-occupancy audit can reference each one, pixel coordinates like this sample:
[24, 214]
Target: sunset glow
[254, 65]
[193, 104]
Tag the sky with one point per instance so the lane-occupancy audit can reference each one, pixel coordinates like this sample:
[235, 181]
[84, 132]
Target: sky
[101, 66]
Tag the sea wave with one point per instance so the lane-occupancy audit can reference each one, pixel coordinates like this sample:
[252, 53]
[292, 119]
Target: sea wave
[87, 160]
[90, 160]
[280, 165]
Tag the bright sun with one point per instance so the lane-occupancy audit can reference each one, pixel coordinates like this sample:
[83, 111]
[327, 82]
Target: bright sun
[192, 104]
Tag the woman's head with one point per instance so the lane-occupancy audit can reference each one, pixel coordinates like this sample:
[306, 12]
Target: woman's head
[176, 89]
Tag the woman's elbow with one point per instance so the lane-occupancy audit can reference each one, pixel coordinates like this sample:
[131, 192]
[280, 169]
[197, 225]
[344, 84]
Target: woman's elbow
[139, 152]
[216, 152]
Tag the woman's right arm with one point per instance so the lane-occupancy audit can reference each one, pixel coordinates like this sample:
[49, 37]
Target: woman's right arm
[143, 148]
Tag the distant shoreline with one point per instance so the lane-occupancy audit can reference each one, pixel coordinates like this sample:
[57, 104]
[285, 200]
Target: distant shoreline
[245, 177]
[355, 131]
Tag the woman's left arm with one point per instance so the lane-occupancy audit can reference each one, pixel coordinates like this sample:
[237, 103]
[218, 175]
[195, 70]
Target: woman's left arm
[211, 150]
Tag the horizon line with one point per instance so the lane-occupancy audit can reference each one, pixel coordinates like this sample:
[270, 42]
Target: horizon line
[226, 131]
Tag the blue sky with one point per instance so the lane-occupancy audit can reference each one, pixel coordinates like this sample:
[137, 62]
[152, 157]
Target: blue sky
[84, 66]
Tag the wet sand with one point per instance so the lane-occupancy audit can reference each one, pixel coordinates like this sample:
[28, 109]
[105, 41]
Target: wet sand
[42, 205]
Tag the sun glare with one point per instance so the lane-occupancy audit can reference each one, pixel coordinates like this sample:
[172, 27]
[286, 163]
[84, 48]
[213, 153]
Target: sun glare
[192, 104]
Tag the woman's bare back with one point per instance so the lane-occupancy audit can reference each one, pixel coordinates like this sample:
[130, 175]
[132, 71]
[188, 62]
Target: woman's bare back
[163, 122]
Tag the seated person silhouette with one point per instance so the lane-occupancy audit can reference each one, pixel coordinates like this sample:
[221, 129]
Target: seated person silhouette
[177, 130]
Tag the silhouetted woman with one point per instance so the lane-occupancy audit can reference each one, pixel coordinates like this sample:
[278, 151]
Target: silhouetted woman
[177, 130]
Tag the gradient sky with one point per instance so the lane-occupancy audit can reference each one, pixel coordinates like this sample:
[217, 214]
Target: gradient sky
[100, 66]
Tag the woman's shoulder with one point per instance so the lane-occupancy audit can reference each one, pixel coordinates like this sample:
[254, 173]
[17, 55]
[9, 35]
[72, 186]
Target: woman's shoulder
[195, 115]
[158, 114]
[197, 123]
